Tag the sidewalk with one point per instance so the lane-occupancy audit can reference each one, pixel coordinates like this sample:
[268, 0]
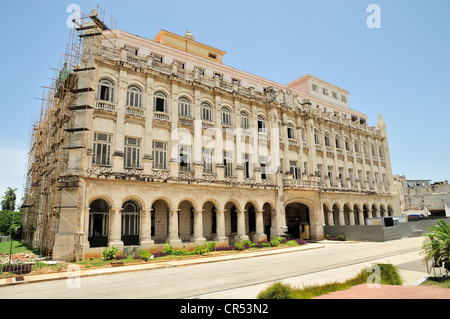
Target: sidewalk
[73, 271]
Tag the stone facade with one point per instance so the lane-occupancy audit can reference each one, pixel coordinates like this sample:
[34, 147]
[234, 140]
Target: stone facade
[185, 149]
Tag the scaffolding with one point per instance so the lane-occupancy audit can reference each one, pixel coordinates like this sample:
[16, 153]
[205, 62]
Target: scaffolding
[61, 138]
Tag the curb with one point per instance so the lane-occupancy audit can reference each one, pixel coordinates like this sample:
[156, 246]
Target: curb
[77, 273]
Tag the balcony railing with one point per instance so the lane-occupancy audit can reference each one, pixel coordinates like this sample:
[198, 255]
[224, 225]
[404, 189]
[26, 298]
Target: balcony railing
[105, 105]
[161, 116]
[136, 111]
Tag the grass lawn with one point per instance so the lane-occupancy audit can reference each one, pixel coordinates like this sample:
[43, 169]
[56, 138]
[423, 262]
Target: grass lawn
[389, 276]
[17, 247]
[442, 282]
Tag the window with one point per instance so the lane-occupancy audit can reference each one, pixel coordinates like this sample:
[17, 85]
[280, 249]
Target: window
[131, 49]
[290, 131]
[316, 137]
[264, 169]
[134, 96]
[337, 141]
[314, 87]
[226, 116]
[206, 112]
[330, 174]
[261, 124]
[105, 90]
[356, 146]
[347, 145]
[294, 170]
[159, 154]
[212, 55]
[334, 94]
[130, 219]
[184, 107]
[366, 150]
[200, 70]
[184, 152]
[101, 149]
[207, 160]
[132, 152]
[228, 163]
[160, 102]
[327, 139]
[325, 91]
[380, 151]
[246, 160]
[372, 148]
[245, 122]
[343, 99]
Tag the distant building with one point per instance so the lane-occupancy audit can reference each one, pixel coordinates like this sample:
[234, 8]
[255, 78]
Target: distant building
[421, 197]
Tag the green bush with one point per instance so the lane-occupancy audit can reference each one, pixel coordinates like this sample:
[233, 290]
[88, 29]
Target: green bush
[110, 254]
[340, 237]
[278, 291]
[292, 243]
[144, 254]
[276, 241]
[239, 246]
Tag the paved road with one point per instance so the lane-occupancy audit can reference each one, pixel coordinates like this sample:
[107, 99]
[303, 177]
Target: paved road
[211, 278]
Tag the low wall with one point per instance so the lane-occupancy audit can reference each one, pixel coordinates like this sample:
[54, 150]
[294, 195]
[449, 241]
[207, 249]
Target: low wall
[380, 233]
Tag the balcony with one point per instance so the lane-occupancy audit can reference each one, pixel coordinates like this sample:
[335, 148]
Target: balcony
[105, 105]
[135, 111]
[161, 116]
[298, 183]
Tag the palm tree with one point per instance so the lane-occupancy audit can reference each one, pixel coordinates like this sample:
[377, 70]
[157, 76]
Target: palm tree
[9, 200]
[437, 246]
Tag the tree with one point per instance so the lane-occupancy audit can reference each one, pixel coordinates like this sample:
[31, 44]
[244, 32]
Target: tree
[9, 200]
[437, 246]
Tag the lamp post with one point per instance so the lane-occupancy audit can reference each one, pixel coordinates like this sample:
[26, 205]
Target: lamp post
[10, 236]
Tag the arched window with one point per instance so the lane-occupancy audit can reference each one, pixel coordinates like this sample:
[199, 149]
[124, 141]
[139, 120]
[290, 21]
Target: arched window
[356, 144]
[261, 124]
[130, 223]
[160, 102]
[372, 148]
[245, 121]
[327, 139]
[184, 107]
[316, 136]
[348, 146]
[206, 112]
[380, 151]
[290, 131]
[226, 116]
[134, 96]
[337, 141]
[105, 91]
[366, 150]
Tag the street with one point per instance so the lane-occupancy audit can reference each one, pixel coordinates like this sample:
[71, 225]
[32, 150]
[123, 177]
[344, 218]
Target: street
[209, 279]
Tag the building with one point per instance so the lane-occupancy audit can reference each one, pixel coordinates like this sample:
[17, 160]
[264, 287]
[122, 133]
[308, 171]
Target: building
[421, 197]
[144, 142]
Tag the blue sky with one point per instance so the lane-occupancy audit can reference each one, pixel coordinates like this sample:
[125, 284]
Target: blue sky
[401, 70]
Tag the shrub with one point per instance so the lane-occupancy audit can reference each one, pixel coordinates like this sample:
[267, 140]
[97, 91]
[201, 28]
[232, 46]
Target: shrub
[340, 237]
[292, 243]
[276, 241]
[301, 241]
[224, 248]
[144, 254]
[239, 246]
[278, 291]
[211, 246]
[110, 253]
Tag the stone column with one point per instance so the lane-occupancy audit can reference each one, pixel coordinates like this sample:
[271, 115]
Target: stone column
[115, 229]
[241, 225]
[330, 218]
[145, 229]
[341, 217]
[351, 217]
[361, 216]
[220, 230]
[259, 236]
[173, 239]
[198, 227]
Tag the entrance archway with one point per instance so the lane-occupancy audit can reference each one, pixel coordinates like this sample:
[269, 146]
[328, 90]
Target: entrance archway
[98, 223]
[130, 223]
[267, 219]
[297, 221]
